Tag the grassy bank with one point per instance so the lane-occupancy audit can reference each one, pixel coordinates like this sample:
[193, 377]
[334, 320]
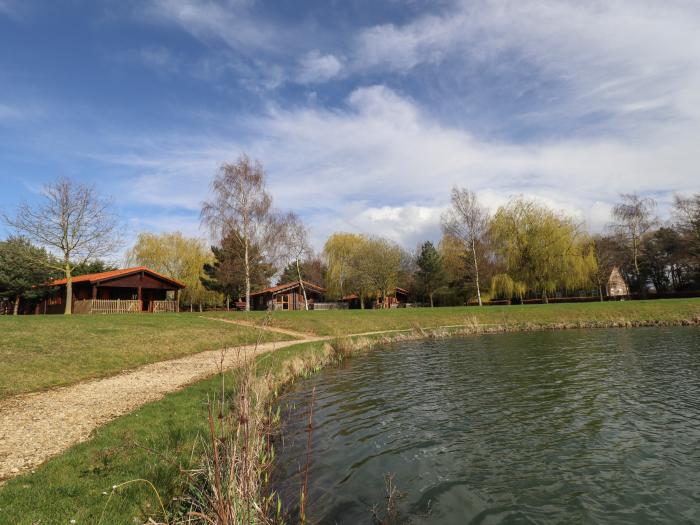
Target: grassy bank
[38, 352]
[153, 443]
[625, 313]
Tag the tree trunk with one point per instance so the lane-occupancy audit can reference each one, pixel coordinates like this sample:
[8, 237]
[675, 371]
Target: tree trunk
[383, 299]
[301, 284]
[15, 310]
[600, 292]
[69, 290]
[545, 299]
[431, 300]
[362, 301]
[476, 272]
[228, 302]
[247, 277]
[200, 308]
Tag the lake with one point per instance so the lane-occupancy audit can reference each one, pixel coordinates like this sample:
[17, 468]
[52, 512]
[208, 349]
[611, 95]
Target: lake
[581, 426]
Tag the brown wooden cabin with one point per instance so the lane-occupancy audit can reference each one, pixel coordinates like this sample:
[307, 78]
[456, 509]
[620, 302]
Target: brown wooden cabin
[287, 296]
[397, 299]
[132, 290]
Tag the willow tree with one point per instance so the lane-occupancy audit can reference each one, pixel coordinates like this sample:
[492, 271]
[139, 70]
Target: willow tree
[338, 253]
[179, 257]
[72, 222]
[241, 207]
[467, 221]
[542, 251]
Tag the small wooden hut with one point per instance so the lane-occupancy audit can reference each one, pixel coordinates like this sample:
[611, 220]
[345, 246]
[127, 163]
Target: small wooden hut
[287, 296]
[617, 287]
[131, 290]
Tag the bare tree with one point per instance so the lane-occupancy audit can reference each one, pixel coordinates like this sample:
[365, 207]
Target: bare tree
[296, 245]
[467, 221]
[72, 222]
[241, 207]
[633, 217]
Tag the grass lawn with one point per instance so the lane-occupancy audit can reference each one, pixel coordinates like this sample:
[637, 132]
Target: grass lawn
[344, 322]
[38, 352]
[150, 443]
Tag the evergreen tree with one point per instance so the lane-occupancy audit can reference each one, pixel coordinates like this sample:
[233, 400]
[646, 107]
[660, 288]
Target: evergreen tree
[431, 272]
[24, 271]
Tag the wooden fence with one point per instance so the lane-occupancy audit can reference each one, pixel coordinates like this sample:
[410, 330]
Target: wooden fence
[107, 306]
[163, 306]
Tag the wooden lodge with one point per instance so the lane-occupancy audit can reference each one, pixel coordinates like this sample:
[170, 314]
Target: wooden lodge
[287, 296]
[616, 286]
[397, 299]
[131, 290]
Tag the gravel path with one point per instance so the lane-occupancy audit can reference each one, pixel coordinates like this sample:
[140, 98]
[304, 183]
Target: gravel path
[37, 426]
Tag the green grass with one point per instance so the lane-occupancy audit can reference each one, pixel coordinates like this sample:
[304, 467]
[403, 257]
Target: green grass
[150, 443]
[39, 352]
[344, 322]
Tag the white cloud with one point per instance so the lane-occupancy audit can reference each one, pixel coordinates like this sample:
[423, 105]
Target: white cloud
[381, 165]
[315, 67]
[625, 56]
[229, 21]
[160, 59]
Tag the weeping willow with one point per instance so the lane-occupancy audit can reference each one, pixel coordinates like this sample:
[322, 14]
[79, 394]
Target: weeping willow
[542, 252]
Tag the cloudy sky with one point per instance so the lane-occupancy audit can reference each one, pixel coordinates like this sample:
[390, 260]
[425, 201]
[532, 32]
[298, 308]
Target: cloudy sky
[365, 113]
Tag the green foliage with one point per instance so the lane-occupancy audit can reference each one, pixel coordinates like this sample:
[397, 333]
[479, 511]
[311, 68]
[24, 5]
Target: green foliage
[24, 270]
[179, 257]
[94, 266]
[312, 270]
[543, 251]
[431, 271]
[225, 274]
[338, 252]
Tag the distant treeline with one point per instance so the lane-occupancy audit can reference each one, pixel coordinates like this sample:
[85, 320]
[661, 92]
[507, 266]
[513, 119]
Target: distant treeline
[523, 251]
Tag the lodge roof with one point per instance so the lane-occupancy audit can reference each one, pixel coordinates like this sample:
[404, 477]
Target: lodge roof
[352, 296]
[288, 286]
[94, 278]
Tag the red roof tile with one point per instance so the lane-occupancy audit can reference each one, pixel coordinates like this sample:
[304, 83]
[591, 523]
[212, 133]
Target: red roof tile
[104, 276]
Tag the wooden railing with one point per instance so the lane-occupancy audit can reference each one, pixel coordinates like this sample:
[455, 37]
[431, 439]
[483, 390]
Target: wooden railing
[163, 306]
[107, 306]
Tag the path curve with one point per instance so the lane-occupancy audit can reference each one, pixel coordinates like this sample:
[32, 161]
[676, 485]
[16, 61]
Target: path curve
[37, 426]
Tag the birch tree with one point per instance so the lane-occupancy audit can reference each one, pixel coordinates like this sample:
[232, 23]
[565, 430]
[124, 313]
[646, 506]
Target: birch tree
[632, 218]
[467, 221]
[72, 222]
[295, 240]
[242, 208]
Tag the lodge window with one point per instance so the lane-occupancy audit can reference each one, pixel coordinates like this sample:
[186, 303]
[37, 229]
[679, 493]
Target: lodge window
[282, 301]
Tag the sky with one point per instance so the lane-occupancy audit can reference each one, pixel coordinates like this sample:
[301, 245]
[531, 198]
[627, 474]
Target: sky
[364, 113]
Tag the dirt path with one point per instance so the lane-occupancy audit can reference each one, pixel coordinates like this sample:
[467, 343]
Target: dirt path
[37, 426]
[284, 331]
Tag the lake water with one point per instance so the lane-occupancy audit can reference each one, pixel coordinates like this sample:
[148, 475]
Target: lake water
[597, 426]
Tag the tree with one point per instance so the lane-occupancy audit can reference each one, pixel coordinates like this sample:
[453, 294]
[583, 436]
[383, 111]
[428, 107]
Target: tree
[179, 257]
[431, 272]
[467, 221]
[23, 275]
[96, 266]
[632, 218]
[687, 222]
[376, 267]
[72, 222]
[242, 208]
[296, 246]
[606, 250]
[541, 251]
[313, 270]
[339, 253]
[225, 273]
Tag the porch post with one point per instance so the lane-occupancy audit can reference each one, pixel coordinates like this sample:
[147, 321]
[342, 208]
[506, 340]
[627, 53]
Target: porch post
[138, 295]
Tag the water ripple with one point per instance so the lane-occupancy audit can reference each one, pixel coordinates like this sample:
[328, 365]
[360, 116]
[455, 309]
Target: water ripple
[554, 427]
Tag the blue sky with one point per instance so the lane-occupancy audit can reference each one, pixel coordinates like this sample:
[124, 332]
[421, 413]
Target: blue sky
[364, 113]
